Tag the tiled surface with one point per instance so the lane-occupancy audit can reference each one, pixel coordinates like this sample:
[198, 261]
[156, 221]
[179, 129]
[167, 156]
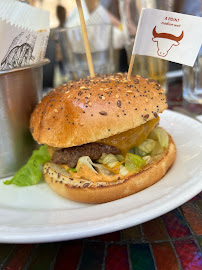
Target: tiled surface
[165, 256]
[170, 242]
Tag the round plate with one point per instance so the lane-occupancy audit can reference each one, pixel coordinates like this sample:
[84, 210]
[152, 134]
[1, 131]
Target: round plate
[37, 214]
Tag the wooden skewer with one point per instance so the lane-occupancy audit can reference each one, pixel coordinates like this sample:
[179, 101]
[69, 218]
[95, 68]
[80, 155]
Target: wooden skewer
[85, 38]
[134, 46]
[130, 66]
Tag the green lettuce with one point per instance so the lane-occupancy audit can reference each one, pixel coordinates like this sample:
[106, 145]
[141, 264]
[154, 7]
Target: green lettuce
[72, 169]
[133, 163]
[147, 146]
[30, 173]
[160, 135]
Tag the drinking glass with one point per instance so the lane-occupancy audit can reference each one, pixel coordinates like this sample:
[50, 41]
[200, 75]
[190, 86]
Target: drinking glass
[73, 50]
[192, 81]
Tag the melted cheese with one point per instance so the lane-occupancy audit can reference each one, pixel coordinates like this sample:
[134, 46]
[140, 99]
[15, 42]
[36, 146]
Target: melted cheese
[126, 140]
[131, 138]
[123, 141]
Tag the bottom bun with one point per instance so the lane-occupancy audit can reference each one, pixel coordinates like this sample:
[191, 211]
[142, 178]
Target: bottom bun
[82, 190]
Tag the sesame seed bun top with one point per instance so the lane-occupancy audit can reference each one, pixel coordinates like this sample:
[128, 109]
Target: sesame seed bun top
[88, 110]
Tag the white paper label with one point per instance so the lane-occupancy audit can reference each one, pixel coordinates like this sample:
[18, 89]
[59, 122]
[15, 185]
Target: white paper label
[24, 34]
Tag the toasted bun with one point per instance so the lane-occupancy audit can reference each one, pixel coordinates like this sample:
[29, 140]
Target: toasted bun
[89, 192]
[89, 110]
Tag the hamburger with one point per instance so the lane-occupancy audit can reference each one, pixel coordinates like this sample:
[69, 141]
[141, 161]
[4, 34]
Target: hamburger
[103, 136]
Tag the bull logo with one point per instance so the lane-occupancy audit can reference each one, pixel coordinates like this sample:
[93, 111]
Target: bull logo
[165, 41]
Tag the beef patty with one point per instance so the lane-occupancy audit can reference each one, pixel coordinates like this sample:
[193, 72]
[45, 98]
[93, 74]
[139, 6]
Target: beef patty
[71, 155]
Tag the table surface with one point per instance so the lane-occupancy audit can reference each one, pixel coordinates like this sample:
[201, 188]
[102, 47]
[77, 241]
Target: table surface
[170, 242]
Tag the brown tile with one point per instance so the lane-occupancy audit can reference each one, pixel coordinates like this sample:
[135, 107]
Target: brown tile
[133, 233]
[200, 241]
[154, 230]
[18, 258]
[108, 237]
[193, 216]
[165, 257]
[199, 204]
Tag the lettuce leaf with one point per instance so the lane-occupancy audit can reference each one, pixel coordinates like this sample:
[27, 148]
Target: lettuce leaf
[133, 163]
[72, 169]
[99, 168]
[160, 135]
[30, 173]
[147, 146]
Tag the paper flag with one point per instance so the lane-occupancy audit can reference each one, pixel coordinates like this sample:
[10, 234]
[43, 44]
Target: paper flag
[168, 35]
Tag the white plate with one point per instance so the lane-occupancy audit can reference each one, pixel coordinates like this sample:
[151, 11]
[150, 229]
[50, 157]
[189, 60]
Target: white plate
[37, 214]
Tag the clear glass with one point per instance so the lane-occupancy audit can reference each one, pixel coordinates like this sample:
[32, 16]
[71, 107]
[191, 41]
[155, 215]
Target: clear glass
[192, 81]
[74, 55]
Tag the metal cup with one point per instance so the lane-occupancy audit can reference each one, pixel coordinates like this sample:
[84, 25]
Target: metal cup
[20, 91]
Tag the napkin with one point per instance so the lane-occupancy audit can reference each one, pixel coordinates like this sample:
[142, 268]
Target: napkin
[24, 34]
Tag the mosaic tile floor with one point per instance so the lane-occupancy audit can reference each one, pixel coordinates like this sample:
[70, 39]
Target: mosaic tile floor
[170, 242]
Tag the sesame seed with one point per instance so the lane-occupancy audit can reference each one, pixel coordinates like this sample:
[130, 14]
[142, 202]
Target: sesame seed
[155, 114]
[86, 185]
[90, 104]
[55, 110]
[119, 103]
[103, 98]
[103, 113]
[80, 93]
[117, 95]
[146, 116]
